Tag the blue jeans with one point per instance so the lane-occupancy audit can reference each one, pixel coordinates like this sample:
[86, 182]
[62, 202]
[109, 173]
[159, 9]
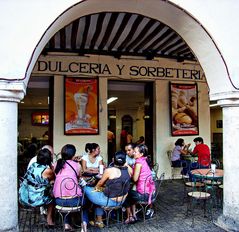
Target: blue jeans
[134, 197]
[99, 198]
[71, 202]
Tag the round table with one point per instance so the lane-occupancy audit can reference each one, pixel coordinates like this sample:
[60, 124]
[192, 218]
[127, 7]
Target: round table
[208, 174]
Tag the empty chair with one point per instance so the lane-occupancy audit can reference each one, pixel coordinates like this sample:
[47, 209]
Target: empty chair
[199, 193]
[175, 171]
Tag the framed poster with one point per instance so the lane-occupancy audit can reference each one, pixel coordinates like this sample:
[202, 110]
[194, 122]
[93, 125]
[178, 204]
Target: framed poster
[184, 109]
[81, 108]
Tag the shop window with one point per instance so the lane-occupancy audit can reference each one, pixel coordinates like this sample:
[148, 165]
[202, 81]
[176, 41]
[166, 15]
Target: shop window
[40, 119]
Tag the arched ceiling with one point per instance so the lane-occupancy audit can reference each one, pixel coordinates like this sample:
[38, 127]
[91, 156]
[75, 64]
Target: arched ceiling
[118, 33]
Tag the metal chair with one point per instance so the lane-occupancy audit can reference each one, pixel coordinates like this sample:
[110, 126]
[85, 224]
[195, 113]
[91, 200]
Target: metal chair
[175, 171]
[70, 184]
[31, 218]
[188, 185]
[198, 193]
[145, 203]
[109, 209]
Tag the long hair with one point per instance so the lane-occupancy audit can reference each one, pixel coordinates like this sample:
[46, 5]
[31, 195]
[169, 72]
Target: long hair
[144, 150]
[92, 146]
[67, 152]
[179, 142]
[44, 157]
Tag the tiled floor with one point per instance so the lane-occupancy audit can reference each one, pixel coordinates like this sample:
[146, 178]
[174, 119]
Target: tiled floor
[170, 215]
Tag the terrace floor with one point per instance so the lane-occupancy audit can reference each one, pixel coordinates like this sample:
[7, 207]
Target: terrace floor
[170, 215]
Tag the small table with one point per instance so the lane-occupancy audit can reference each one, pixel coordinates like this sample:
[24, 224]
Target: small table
[208, 174]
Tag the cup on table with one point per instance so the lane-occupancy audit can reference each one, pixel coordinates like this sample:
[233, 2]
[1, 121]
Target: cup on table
[101, 169]
[213, 168]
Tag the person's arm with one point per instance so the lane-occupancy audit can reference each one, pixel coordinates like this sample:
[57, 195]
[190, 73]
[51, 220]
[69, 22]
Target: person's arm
[84, 168]
[49, 174]
[104, 178]
[137, 170]
[130, 170]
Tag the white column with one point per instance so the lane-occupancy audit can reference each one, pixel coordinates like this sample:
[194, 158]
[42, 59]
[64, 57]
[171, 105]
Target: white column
[8, 160]
[230, 218]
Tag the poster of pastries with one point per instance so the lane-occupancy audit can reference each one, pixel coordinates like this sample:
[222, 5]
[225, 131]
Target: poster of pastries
[81, 111]
[184, 109]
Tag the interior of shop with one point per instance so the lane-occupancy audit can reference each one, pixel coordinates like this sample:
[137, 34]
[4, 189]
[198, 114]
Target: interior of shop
[129, 108]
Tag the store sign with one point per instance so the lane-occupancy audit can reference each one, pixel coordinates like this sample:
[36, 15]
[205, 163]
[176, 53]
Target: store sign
[129, 68]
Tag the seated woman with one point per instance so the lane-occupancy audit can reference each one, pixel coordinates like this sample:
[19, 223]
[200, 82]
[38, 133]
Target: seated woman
[115, 179]
[92, 160]
[67, 167]
[35, 188]
[180, 150]
[141, 172]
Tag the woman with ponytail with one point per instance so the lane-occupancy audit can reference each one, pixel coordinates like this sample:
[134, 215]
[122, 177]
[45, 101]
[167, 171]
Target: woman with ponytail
[66, 169]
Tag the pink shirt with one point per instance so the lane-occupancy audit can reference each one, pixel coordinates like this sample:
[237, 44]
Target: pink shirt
[68, 188]
[144, 173]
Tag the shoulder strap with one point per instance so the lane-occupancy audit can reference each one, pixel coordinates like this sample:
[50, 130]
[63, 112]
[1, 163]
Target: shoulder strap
[73, 169]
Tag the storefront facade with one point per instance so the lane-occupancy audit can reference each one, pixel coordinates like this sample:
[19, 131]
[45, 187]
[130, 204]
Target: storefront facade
[215, 73]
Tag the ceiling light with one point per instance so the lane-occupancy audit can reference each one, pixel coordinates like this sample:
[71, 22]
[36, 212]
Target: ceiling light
[111, 99]
[22, 102]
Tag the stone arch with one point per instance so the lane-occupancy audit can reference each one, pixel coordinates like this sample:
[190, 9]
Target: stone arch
[194, 34]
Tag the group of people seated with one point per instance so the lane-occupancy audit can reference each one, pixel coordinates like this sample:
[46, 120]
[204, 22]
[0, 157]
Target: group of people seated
[181, 155]
[121, 183]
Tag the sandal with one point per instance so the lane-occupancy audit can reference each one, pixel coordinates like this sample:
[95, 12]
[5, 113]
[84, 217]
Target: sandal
[97, 224]
[68, 227]
[130, 220]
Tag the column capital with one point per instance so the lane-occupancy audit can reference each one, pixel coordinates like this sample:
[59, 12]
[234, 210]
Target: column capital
[228, 102]
[12, 91]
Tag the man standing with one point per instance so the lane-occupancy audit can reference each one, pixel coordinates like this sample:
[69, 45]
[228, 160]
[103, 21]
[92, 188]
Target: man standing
[111, 142]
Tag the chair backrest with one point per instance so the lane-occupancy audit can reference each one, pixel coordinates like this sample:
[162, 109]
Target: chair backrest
[158, 183]
[217, 162]
[69, 185]
[156, 168]
[124, 188]
[169, 154]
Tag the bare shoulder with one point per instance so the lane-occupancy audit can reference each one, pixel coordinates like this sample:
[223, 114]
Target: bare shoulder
[48, 173]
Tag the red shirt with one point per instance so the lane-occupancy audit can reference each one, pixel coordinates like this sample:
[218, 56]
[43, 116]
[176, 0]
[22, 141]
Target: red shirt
[203, 152]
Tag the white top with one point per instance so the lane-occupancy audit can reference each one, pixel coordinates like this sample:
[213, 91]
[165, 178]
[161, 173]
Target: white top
[176, 155]
[33, 160]
[92, 165]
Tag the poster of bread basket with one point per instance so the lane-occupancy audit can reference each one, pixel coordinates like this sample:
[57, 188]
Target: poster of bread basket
[184, 109]
[81, 106]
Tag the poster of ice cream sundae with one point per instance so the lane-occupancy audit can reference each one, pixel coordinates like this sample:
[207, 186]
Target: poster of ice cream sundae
[184, 109]
[81, 106]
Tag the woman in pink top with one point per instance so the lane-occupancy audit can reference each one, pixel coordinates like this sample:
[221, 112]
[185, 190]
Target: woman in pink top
[142, 176]
[66, 190]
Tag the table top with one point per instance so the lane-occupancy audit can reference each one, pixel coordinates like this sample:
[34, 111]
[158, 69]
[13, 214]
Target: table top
[208, 173]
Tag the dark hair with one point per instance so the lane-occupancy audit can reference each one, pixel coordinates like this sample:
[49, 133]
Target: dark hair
[87, 147]
[130, 144]
[198, 139]
[119, 158]
[144, 150]
[179, 142]
[67, 152]
[93, 146]
[44, 157]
